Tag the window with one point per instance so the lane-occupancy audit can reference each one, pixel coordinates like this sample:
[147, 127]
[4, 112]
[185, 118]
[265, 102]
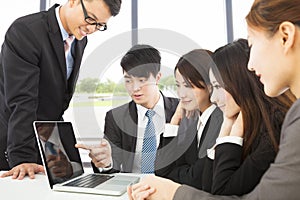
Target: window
[11, 10]
[100, 65]
[201, 21]
[174, 27]
[239, 11]
[177, 27]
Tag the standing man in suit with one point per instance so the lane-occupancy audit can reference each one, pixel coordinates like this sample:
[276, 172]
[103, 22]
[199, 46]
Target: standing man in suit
[38, 73]
[125, 125]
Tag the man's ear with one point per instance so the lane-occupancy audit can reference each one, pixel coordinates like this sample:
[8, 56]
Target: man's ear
[158, 76]
[287, 33]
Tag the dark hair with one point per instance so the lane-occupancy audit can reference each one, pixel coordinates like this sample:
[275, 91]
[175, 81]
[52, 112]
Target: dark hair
[268, 15]
[114, 6]
[141, 61]
[260, 112]
[194, 67]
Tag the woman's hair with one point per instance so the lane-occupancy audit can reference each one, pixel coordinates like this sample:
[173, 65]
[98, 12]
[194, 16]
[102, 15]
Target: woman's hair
[268, 15]
[194, 67]
[260, 112]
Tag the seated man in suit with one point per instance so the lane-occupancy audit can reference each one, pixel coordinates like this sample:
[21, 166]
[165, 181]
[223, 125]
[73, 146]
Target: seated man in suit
[132, 137]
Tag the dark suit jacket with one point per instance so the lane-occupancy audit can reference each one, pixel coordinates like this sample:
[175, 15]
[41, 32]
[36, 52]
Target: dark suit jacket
[121, 131]
[281, 180]
[234, 175]
[189, 160]
[33, 83]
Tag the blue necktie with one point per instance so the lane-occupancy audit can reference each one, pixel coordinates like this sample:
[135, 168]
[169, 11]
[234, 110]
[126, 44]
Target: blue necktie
[149, 145]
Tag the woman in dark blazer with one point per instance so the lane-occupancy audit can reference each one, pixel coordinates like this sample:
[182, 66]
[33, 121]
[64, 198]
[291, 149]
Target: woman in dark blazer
[251, 117]
[199, 120]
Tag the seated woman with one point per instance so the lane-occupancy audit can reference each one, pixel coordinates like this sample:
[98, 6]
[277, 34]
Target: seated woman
[198, 118]
[248, 140]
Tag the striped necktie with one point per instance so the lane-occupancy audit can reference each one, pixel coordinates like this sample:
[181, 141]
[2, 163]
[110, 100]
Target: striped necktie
[149, 145]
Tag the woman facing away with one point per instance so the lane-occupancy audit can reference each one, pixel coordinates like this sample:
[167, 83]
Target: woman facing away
[184, 157]
[274, 38]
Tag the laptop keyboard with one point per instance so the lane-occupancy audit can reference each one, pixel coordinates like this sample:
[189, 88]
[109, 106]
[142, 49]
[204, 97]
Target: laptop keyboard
[89, 181]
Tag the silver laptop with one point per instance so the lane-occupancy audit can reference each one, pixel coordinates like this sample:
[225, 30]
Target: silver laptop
[63, 166]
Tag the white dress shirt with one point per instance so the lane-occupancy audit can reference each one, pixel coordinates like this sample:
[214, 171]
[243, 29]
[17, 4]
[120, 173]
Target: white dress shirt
[203, 120]
[159, 123]
[172, 130]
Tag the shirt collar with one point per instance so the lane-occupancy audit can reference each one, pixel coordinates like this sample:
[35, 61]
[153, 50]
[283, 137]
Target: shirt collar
[206, 114]
[54, 137]
[64, 33]
[158, 108]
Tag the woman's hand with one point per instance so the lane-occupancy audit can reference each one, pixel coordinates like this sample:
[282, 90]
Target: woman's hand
[152, 188]
[177, 115]
[238, 126]
[232, 126]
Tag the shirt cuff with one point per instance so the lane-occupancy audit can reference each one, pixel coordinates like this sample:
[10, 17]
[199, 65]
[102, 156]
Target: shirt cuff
[105, 169]
[230, 139]
[170, 130]
[221, 140]
[211, 152]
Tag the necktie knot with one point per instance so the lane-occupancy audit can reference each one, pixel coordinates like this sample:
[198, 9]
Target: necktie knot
[150, 114]
[67, 43]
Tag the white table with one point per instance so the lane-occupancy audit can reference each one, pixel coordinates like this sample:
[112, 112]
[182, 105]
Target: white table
[39, 189]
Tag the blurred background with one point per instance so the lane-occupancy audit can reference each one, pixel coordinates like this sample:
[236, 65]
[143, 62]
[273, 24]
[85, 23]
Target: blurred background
[172, 26]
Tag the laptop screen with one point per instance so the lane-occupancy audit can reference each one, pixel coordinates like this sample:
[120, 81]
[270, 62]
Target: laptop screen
[57, 147]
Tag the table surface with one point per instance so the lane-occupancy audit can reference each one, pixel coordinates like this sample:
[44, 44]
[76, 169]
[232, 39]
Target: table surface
[39, 189]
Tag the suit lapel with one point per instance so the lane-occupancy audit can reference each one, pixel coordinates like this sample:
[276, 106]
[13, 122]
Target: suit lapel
[133, 113]
[168, 108]
[134, 117]
[211, 129]
[56, 41]
[132, 138]
[187, 133]
[78, 52]
[203, 135]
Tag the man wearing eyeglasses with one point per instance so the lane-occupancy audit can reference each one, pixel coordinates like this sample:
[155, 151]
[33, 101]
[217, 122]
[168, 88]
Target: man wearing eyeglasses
[39, 65]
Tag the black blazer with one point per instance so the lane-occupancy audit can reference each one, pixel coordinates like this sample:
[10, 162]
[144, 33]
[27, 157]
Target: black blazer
[121, 131]
[233, 175]
[33, 83]
[184, 160]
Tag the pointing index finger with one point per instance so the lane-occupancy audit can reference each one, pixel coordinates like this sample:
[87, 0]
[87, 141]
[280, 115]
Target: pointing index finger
[83, 146]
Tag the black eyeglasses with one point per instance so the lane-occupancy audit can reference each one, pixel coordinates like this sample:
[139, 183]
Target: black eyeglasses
[92, 21]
